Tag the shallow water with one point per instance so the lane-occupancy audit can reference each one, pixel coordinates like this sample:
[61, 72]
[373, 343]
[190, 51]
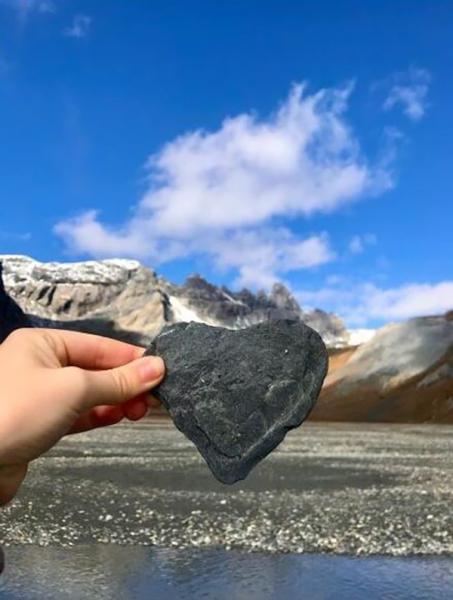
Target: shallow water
[133, 572]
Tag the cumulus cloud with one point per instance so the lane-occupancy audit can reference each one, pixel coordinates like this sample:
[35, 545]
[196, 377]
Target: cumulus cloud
[262, 257]
[259, 257]
[365, 302]
[409, 91]
[221, 193]
[79, 28]
[85, 234]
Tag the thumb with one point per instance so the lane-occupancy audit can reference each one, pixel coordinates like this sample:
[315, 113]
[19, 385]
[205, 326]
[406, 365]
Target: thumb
[115, 386]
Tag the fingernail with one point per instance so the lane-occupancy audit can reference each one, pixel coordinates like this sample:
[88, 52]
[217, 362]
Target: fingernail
[150, 368]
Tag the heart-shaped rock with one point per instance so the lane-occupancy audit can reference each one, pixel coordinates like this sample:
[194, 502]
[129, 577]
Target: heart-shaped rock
[235, 394]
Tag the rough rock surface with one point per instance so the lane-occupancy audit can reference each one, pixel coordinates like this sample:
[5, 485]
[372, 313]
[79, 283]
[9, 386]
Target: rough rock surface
[235, 394]
[11, 315]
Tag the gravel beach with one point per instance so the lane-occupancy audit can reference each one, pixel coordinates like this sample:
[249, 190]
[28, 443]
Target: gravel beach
[338, 488]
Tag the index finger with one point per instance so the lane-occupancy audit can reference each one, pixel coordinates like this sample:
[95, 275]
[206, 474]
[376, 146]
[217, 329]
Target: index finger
[90, 351]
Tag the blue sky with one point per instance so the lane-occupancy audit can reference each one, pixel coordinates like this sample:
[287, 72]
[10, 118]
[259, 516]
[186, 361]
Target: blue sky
[249, 141]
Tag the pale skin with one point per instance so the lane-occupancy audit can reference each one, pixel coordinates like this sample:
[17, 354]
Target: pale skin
[54, 383]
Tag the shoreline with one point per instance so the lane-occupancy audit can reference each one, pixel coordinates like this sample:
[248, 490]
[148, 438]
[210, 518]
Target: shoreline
[239, 550]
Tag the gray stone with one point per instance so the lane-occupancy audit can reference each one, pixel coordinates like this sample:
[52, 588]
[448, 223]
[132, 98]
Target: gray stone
[235, 394]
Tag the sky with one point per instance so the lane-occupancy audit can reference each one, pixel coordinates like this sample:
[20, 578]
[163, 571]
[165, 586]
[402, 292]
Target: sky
[248, 141]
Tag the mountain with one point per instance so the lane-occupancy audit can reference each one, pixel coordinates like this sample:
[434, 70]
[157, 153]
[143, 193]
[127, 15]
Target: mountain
[401, 373]
[404, 374]
[199, 300]
[124, 299]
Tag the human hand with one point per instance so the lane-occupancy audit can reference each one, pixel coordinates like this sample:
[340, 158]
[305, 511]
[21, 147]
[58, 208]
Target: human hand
[55, 382]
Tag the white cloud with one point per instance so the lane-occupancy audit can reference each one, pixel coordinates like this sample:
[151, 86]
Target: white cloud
[220, 194]
[85, 234]
[410, 91]
[79, 28]
[358, 243]
[262, 257]
[302, 160]
[411, 300]
[259, 257]
[361, 303]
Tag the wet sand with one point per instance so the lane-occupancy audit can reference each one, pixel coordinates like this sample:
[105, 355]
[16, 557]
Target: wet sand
[339, 488]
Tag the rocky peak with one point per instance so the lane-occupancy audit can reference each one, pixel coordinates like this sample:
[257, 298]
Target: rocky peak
[197, 286]
[282, 298]
[248, 298]
[202, 301]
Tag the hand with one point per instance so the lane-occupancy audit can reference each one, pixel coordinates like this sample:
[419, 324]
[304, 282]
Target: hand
[55, 382]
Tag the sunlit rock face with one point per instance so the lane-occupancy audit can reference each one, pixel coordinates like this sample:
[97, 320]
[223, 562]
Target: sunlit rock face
[119, 298]
[124, 299]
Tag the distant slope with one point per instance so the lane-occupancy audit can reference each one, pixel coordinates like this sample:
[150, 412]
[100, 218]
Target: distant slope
[404, 374]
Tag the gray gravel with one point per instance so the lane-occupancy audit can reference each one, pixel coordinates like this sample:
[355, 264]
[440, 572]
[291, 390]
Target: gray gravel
[346, 489]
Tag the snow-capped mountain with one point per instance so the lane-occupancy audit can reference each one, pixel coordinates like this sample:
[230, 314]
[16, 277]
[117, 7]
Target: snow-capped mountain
[131, 298]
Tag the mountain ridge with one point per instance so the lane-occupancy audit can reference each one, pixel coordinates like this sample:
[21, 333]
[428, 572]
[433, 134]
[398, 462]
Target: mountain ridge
[401, 373]
[138, 300]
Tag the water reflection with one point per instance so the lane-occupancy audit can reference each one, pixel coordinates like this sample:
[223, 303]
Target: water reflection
[136, 572]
